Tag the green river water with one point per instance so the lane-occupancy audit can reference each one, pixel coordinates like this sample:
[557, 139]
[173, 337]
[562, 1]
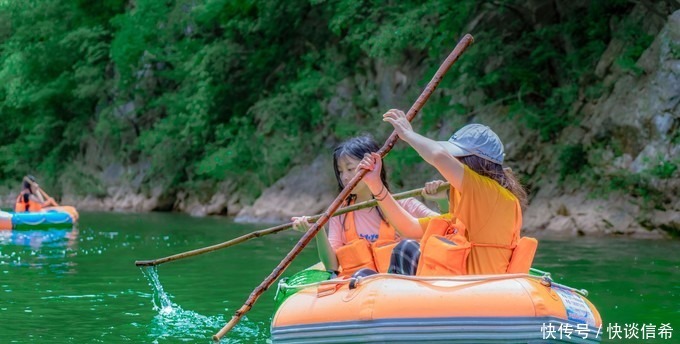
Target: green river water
[81, 285]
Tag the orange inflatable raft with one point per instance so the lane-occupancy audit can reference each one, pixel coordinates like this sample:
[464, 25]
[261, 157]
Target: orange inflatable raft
[387, 308]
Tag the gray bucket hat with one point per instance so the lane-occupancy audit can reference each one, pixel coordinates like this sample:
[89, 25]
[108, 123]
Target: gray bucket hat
[475, 139]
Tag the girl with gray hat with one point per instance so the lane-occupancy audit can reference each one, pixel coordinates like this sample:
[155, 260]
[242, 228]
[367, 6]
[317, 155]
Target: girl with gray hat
[486, 199]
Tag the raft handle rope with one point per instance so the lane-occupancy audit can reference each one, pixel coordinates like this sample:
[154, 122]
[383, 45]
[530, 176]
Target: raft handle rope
[545, 280]
[548, 282]
[539, 272]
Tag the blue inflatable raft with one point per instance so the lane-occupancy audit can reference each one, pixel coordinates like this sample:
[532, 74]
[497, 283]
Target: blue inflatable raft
[54, 217]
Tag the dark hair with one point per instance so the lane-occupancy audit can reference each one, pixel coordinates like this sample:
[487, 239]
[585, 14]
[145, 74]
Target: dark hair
[503, 176]
[25, 197]
[356, 148]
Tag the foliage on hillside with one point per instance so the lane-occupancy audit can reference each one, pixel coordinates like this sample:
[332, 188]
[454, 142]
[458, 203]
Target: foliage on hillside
[204, 91]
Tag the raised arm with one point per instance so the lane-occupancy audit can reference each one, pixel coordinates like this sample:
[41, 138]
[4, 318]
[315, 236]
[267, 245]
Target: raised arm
[406, 225]
[431, 151]
[36, 192]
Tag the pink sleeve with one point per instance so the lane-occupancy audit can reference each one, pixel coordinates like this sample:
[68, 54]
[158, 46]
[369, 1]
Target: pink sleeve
[416, 208]
[335, 235]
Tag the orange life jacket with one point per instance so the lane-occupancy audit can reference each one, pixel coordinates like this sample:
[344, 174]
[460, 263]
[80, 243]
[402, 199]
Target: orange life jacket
[359, 253]
[445, 248]
[31, 206]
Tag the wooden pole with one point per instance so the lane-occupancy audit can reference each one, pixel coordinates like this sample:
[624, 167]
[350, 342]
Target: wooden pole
[276, 229]
[307, 237]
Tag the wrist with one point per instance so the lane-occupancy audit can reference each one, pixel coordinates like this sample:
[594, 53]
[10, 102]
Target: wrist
[382, 194]
[407, 136]
[376, 188]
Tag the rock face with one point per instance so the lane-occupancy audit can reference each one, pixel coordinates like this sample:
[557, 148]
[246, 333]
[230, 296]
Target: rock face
[577, 214]
[118, 199]
[305, 190]
[219, 204]
[631, 131]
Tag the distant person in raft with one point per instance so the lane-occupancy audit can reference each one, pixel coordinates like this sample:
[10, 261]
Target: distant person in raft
[481, 231]
[363, 238]
[31, 198]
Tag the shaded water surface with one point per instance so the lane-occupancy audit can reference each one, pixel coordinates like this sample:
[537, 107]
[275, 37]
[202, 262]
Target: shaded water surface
[81, 285]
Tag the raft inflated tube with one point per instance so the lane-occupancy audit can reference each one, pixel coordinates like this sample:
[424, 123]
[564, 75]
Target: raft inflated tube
[394, 308]
[52, 217]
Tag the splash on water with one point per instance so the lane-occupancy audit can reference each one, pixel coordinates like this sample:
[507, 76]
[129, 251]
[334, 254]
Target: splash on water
[161, 300]
[174, 322]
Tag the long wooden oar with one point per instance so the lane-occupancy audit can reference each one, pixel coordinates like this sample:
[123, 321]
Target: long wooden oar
[307, 237]
[276, 229]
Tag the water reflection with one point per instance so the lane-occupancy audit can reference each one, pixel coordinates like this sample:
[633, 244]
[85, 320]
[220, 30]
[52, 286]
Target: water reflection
[35, 239]
[53, 249]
